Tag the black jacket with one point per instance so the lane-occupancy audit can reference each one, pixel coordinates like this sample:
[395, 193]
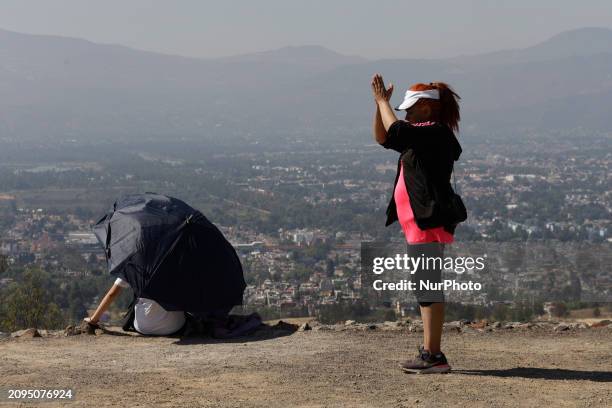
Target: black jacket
[427, 152]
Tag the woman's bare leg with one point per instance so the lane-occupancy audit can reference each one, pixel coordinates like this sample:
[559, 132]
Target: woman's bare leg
[433, 320]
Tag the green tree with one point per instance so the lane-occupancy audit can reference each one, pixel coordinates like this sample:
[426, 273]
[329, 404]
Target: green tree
[500, 312]
[3, 264]
[596, 312]
[28, 304]
[560, 310]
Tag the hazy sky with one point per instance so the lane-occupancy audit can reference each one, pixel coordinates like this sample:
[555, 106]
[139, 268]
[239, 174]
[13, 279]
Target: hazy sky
[204, 28]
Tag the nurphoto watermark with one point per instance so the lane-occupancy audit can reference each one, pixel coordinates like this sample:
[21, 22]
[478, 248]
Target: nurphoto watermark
[487, 272]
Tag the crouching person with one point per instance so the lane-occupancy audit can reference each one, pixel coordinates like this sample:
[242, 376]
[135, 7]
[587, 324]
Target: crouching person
[180, 266]
[149, 317]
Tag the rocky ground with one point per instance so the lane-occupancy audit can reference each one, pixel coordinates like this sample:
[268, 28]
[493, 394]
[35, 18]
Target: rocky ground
[351, 365]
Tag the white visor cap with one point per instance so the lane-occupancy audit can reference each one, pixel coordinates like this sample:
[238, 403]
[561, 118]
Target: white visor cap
[413, 96]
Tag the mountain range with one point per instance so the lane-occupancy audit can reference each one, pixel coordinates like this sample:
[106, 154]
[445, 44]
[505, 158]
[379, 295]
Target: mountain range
[57, 88]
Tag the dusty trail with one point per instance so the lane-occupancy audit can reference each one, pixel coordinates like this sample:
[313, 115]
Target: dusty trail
[317, 368]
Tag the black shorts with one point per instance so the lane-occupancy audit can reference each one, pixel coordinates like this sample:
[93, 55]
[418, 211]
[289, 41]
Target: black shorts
[429, 273]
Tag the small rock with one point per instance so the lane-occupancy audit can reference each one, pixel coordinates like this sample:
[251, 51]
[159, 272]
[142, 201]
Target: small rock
[98, 332]
[496, 325]
[281, 325]
[83, 328]
[305, 327]
[88, 328]
[26, 333]
[602, 323]
[393, 325]
[561, 327]
[544, 325]
[452, 326]
[372, 327]
[349, 323]
[479, 325]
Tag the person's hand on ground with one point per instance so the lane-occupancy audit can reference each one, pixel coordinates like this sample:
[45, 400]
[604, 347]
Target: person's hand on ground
[88, 321]
[378, 89]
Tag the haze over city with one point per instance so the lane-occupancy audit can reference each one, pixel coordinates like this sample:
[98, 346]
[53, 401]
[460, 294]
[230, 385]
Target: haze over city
[391, 29]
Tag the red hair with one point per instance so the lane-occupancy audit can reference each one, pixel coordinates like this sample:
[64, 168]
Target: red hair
[446, 108]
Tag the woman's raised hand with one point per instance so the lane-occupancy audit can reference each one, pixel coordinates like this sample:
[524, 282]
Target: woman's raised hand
[378, 89]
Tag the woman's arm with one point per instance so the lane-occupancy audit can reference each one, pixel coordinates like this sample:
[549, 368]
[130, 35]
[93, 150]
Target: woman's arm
[110, 296]
[378, 128]
[386, 113]
[384, 116]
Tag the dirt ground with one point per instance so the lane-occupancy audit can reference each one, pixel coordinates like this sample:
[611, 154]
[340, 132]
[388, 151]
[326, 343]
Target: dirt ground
[315, 369]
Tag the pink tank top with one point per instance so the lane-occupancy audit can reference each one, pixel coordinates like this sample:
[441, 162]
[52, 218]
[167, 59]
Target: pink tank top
[415, 235]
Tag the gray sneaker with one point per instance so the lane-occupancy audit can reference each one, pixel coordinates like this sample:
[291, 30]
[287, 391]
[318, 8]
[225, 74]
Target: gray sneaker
[426, 363]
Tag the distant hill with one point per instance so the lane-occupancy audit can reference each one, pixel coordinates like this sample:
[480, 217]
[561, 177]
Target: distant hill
[64, 88]
[309, 56]
[579, 42]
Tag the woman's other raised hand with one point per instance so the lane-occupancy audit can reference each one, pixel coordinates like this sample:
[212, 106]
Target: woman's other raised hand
[378, 89]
